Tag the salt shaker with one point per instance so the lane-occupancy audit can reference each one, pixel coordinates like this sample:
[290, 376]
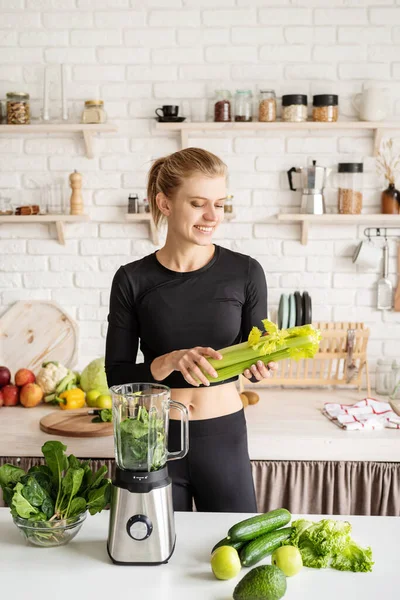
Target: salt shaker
[76, 201]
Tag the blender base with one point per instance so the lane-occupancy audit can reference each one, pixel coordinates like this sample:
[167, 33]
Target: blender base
[141, 564]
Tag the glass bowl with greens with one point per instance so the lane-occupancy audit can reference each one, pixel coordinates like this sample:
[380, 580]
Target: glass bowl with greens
[50, 502]
[50, 533]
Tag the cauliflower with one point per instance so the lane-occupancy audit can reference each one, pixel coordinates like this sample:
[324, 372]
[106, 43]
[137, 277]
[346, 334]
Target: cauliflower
[50, 375]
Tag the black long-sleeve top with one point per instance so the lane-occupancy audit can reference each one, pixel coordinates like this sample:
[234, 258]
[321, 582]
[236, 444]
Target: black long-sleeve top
[215, 306]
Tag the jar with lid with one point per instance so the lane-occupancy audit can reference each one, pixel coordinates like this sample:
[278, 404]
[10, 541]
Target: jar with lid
[294, 108]
[222, 106]
[350, 184]
[267, 106]
[94, 112]
[325, 107]
[385, 376]
[395, 391]
[228, 206]
[18, 108]
[243, 105]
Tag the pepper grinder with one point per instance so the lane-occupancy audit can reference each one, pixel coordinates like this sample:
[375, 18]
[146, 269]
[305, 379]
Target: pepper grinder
[76, 201]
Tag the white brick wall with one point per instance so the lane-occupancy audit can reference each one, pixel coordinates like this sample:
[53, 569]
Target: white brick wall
[139, 54]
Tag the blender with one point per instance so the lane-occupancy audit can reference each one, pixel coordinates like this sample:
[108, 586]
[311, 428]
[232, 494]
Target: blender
[313, 180]
[142, 528]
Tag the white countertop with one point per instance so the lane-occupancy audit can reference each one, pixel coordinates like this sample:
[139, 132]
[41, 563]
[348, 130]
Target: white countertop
[284, 425]
[83, 570]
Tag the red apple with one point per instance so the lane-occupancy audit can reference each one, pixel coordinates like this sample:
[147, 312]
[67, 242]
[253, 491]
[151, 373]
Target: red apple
[5, 376]
[24, 376]
[31, 395]
[1, 398]
[10, 395]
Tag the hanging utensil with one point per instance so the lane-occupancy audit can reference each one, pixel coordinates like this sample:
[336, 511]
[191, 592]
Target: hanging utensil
[397, 292]
[385, 289]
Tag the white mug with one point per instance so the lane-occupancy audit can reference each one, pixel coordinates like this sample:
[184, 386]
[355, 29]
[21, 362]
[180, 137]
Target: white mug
[367, 255]
[372, 104]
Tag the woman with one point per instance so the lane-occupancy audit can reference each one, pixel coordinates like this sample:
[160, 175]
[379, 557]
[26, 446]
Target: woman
[184, 302]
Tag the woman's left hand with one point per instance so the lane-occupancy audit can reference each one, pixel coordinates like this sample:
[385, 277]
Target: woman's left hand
[260, 371]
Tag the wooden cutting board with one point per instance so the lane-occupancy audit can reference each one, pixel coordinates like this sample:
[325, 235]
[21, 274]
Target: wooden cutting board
[36, 331]
[63, 423]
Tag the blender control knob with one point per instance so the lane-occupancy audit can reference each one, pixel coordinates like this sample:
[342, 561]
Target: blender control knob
[139, 527]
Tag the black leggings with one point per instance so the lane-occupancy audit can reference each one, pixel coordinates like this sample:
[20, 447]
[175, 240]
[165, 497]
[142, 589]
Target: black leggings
[216, 472]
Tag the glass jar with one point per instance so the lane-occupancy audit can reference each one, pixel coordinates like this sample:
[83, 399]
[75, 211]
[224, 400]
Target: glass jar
[228, 206]
[222, 106]
[350, 192]
[243, 105]
[94, 112]
[294, 108]
[385, 376]
[18, 108]
[325, 107]
[267, 106]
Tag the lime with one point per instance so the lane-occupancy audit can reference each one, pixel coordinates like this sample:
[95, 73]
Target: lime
[288, 559]
[104, 401]
[91, 397]
[225, 562]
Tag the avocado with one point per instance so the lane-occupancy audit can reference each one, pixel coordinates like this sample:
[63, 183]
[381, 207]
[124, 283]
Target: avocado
[266, 582]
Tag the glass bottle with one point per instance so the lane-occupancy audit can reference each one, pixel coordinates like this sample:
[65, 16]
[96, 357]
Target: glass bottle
[222, 106]
[267, 106]
[390, 200]
[243, 105]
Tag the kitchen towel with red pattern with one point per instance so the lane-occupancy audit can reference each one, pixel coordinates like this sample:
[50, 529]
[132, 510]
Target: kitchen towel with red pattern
[366, 414]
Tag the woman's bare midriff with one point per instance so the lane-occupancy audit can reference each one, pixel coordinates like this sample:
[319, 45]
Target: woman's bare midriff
[207, 403]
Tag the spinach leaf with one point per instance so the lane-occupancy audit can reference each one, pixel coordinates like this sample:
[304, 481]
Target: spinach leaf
[21, 505]
[48, 507]
[10, 475]
[142, 442]
[53, 452]
[73, 462]
[33, 492]
[99, 498]
[98, 477]
[8, 493]
[77, 506]
[42, 478]
[70, 485]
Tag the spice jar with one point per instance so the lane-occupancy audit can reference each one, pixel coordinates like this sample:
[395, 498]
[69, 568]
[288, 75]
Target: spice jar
[94, 112]
[267, 106]
[222, 106]
[18, 108]
[228, 206]
[350, 195]
[294, 107]
[243, 105]
[325, 107]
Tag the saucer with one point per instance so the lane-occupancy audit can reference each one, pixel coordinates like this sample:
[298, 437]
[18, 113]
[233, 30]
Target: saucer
[170, 119]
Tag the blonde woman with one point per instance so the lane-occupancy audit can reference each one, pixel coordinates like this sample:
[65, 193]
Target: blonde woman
[182, 303]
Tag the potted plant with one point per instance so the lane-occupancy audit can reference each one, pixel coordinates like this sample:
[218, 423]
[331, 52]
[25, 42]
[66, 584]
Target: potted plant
[388, 165]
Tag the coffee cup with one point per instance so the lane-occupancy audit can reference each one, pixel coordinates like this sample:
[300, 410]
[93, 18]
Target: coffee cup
[367, 255]
[169, 111]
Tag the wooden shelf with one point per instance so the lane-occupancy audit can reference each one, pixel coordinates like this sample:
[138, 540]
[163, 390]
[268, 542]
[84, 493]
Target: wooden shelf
[377, 220]
[59, 221]
[87, 131]
[147, 218]
[378, 127]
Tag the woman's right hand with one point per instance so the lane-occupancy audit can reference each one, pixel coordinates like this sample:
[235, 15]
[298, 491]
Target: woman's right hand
[192, 362]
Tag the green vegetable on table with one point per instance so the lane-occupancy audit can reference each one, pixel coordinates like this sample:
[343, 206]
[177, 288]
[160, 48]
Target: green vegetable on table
[55, 379]
[93, 377]
[62, 488]
[273, 345]
[142, 442]
[328, 543]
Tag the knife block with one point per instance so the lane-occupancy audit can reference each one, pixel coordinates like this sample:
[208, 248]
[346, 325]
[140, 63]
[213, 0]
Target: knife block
[328, 367]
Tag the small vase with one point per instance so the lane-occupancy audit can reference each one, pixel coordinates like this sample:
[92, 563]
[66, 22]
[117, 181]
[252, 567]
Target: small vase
[390, 201]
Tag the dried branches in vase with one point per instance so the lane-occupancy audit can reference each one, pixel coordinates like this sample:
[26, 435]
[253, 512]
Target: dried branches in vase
[388, 165]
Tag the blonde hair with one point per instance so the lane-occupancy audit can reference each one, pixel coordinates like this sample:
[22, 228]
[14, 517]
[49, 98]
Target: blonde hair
[167, 174]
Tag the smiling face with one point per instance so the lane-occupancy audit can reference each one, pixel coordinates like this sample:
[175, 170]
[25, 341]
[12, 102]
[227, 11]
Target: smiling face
[196, 209]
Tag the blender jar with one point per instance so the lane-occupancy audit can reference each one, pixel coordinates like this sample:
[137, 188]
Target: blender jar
[141, 417]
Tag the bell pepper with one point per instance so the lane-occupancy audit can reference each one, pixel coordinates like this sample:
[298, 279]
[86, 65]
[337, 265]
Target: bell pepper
[72, 399]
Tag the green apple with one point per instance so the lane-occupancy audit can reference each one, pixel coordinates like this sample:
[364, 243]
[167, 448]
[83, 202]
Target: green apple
[287, 559]
[91, 397]
[225, 562]
[104, 401]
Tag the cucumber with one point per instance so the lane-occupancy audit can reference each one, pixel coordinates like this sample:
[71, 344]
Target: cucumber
[255, 526]
[263, 546]
[226, 542]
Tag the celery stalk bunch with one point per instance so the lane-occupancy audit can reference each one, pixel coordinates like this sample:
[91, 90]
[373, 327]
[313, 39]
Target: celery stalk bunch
[273, 345]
